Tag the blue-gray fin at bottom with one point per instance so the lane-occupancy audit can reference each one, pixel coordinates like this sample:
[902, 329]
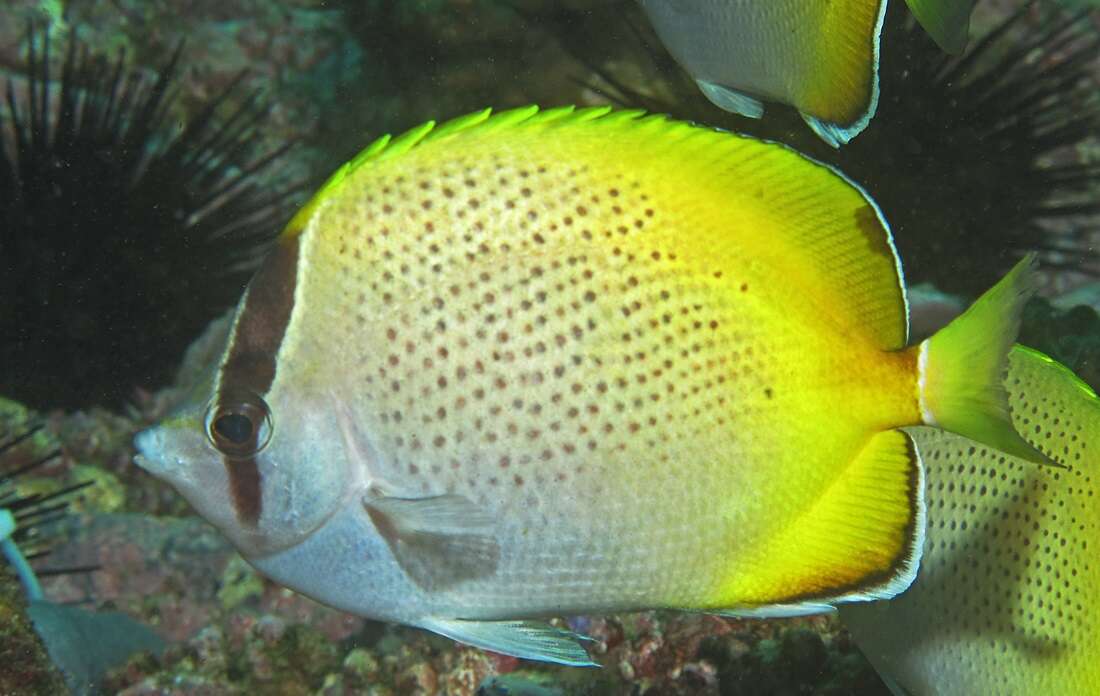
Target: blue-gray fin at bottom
[531, 640]
[776, 611]
[729, 99]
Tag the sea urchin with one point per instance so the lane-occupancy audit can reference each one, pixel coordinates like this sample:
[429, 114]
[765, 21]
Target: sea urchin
[121, 236]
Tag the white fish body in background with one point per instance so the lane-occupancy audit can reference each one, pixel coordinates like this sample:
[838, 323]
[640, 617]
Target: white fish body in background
[820, 56]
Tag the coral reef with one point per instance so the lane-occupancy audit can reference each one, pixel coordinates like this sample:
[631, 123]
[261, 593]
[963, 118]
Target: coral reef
[24, 520]
[647, 653]
[25, 667]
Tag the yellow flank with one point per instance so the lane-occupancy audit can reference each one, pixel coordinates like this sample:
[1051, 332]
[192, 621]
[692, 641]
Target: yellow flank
[566, 308]
[840, 83]
[1006, 600]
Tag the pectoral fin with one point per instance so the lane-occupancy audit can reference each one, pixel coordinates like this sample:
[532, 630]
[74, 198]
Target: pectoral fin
[438, 541]
[527, 639]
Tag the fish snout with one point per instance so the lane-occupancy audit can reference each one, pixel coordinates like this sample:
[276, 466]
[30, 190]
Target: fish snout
[150, 448]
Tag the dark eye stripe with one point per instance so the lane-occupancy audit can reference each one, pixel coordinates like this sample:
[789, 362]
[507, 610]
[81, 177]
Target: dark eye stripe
[262, 322]
[249, 364]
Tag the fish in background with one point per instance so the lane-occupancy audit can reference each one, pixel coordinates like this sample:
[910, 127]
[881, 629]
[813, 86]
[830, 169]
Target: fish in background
[558, 362]
[820, 56]
[1005, 601]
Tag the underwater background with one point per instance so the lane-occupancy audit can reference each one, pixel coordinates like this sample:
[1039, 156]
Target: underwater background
[126, 234]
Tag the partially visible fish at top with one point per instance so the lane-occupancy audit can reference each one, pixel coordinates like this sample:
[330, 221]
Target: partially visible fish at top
[1007, 599]
[819, 56]
[554, 362]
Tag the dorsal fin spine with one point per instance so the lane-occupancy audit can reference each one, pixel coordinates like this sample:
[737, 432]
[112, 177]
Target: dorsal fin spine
[387, 146]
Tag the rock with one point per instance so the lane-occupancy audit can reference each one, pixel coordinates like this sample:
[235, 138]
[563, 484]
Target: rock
[25, 667]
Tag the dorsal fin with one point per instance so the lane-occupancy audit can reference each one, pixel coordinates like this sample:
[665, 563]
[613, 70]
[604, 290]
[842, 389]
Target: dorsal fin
[387, 146]
[760, 199]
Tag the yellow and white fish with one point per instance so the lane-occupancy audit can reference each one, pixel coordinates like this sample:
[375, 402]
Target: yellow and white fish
[555, 362]
[1006, 598]
[820, 56]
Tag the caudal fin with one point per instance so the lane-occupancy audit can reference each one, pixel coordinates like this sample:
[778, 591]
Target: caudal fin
[962, 366]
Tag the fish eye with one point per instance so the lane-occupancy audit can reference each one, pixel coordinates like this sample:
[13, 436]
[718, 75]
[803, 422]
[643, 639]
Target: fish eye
[239, 425]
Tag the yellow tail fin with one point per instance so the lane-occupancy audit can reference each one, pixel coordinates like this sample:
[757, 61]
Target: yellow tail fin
[961, 367]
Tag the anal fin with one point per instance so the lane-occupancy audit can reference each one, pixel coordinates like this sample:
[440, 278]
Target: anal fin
[729, 99]
[777, 611]
[438, 541]
[862, 540]
[835, 134]
[530, 640]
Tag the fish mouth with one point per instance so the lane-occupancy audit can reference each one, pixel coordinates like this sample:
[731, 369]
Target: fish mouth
[147, 443]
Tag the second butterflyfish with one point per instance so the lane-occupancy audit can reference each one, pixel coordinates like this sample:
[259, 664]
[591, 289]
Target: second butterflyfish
[555, 362]
[819, 56]
[1007, 600]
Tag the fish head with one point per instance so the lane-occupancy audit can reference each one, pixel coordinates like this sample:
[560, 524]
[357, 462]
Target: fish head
[266, 476]
[256, 448]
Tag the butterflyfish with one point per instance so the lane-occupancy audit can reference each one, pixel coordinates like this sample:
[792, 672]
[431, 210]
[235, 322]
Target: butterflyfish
[564, 361]
[820, 56]
[1005, 601]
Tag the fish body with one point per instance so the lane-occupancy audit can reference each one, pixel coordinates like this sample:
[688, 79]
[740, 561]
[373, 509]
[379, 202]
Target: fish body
[820, 56]
[569, 361]
[1005, 599]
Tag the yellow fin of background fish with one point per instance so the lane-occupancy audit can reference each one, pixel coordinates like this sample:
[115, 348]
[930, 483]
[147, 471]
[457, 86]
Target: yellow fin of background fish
[1007, 599]
[838, 95]
[820, 56]
[946, 21]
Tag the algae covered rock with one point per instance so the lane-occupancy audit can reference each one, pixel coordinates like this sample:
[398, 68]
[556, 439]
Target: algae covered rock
[25, 667]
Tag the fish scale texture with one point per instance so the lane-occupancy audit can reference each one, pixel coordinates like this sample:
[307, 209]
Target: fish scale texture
[588, 348]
